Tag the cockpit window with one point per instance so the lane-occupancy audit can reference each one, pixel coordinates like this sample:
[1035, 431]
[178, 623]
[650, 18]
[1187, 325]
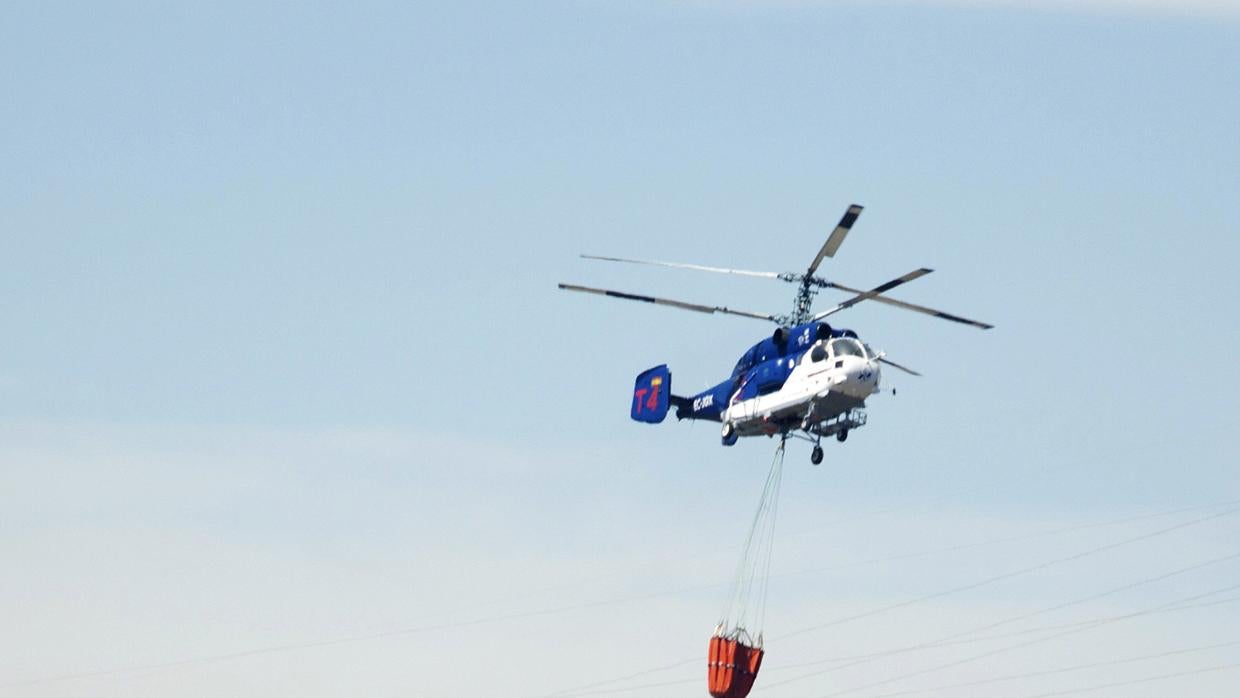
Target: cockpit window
[847, 347]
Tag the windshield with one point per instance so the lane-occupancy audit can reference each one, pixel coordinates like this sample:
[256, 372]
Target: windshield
[847, 347]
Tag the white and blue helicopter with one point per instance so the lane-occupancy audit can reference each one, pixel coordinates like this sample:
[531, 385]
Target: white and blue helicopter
[807, 380]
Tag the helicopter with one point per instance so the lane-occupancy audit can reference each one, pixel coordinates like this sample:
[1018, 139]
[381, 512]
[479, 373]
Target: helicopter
[807, 380]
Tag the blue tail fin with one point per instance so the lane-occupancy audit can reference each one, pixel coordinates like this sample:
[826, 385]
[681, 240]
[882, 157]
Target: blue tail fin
[651, 395]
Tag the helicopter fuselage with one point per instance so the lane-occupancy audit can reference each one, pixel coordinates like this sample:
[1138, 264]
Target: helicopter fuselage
[798, 378]
[824, 382]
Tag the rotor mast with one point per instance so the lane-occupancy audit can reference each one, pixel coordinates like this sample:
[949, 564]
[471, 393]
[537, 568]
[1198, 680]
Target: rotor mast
[802, 306]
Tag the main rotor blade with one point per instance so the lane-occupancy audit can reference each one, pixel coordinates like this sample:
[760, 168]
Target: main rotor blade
[906, 369]
[914, 307]
[837, 236]
[709, 309]
[680, 265]
[867, 295]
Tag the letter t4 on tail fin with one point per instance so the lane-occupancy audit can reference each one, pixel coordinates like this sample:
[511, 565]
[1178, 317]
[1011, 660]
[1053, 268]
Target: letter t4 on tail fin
[651, 395]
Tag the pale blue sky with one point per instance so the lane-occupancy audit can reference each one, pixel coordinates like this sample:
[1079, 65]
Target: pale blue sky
[286, 363]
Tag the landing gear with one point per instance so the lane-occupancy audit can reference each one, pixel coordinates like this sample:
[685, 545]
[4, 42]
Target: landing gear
[815, 456]
[842, 436]
[729, 435]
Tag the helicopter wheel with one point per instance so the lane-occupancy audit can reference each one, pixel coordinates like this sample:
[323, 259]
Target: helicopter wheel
[815, 456]
[729, 436]
[842, 436]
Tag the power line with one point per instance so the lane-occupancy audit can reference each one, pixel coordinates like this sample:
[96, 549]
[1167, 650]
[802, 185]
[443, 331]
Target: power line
[313, 644]
[1010, 575]
[684, 662]
[578, 690]
[1001, 650]
[1166, 608]
[222, 657]
[639, 687]
[1134, 682]
[989, 638]
[1062, 670]
[1009, 539]
[950, 639]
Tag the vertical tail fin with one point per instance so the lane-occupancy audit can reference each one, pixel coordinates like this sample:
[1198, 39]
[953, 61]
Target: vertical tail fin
[651, 395]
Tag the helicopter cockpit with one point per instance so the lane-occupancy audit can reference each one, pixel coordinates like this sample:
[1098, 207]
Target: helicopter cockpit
[840, 347]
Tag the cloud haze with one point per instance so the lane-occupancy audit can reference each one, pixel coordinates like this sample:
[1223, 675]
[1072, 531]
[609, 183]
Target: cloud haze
[1187, 8]
[235, 561]
[1199, 8]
